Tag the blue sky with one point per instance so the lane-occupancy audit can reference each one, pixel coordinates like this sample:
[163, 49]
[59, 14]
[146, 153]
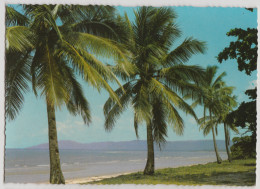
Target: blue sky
[206, 24]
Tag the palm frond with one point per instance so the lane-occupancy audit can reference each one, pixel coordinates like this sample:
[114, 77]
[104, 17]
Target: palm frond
[171, 96]
[140, 102]
[48, 78]
[113, 110]
[15, 18]
[43, 16]
[17, 76]
[219, 79]
[184, 72]
[77, 103]
[184, 51]
[102, 47]
[136, 126]
[19, 38]
[159, 122]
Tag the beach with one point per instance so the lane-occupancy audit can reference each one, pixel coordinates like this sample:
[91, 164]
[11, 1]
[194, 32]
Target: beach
[92, 179]
[78, 166]
[96, 178]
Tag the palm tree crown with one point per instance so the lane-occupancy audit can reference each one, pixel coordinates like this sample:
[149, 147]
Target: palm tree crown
[216, 98]
[50, 45]
[160, 78]
[55, 42]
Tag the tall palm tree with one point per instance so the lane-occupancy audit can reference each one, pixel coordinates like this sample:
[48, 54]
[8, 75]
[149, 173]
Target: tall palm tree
[160, 78]
[227, 103]
[228, 125]
[214, 99]
[49, 45]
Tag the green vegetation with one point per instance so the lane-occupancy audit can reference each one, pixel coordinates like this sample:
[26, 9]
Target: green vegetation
[238, 173]
[242, 148]
[217, 100]
[244, 51]
[50, 46]
[245, 117]
[156, 89]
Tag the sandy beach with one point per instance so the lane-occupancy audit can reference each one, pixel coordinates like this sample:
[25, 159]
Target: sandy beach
[86, 167]
[98, 178]
[91, 179]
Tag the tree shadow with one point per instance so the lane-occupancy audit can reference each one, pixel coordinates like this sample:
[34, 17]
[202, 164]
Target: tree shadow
[250, 164]
[220, 178]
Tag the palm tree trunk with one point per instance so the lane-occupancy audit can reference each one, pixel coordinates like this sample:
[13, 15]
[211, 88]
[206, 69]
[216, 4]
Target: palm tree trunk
[149, 168]
[56, 176]
[226, 142]
[219, 160]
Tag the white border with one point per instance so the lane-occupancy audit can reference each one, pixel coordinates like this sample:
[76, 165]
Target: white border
[131, 3]
[200, 3]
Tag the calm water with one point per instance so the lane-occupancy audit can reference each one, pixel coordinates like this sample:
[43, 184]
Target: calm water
[32, 166]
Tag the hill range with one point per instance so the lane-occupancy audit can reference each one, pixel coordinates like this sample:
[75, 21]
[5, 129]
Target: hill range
[198, 145]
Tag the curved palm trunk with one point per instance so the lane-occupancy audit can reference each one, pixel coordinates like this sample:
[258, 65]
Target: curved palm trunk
[56, 176]
[149, 168]
[219, 160]
[227, 143]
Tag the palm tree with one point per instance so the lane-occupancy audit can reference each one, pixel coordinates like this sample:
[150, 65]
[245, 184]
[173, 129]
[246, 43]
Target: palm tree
[227, 103]
[214, 98]
[49, 45]
[160, 78]
[228, 125]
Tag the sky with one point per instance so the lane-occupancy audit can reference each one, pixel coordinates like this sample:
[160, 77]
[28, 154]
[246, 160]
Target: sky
[209, 24]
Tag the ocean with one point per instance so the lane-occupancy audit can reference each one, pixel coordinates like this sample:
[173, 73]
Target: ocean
[32, 165]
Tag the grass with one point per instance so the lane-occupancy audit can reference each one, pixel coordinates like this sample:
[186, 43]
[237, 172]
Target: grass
[238, 173]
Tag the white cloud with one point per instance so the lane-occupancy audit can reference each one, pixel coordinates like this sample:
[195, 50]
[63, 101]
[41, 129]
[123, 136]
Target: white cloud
[67, 129]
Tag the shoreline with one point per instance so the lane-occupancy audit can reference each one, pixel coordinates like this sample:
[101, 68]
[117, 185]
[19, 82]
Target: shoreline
[99, 178]
[238, 173]
[94, 178]
[90, 179]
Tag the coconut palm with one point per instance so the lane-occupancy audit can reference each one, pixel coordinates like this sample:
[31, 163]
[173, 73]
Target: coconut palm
[155, 89]
[228, 125]
[227, 104]
[49, 45]
[214, 98]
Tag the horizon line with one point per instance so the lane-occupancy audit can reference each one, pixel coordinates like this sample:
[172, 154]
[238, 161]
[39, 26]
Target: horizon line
[115, 142]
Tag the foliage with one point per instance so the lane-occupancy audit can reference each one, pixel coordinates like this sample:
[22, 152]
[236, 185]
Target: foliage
[161, 78]
[50, 46]
[217, 98]
[244, 50]
[245, 117]
[51, 55]
[243, 147]
[238, 173]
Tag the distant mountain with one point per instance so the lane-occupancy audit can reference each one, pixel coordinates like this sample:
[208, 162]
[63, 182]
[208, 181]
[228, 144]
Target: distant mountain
[198, 145]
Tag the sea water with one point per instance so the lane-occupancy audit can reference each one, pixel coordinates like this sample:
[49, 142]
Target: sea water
[32, 166]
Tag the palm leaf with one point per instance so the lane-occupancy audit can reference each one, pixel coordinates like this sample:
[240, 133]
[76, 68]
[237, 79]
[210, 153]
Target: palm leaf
[16, 82]
[13, 17]
[183, 52]
[19, 38]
